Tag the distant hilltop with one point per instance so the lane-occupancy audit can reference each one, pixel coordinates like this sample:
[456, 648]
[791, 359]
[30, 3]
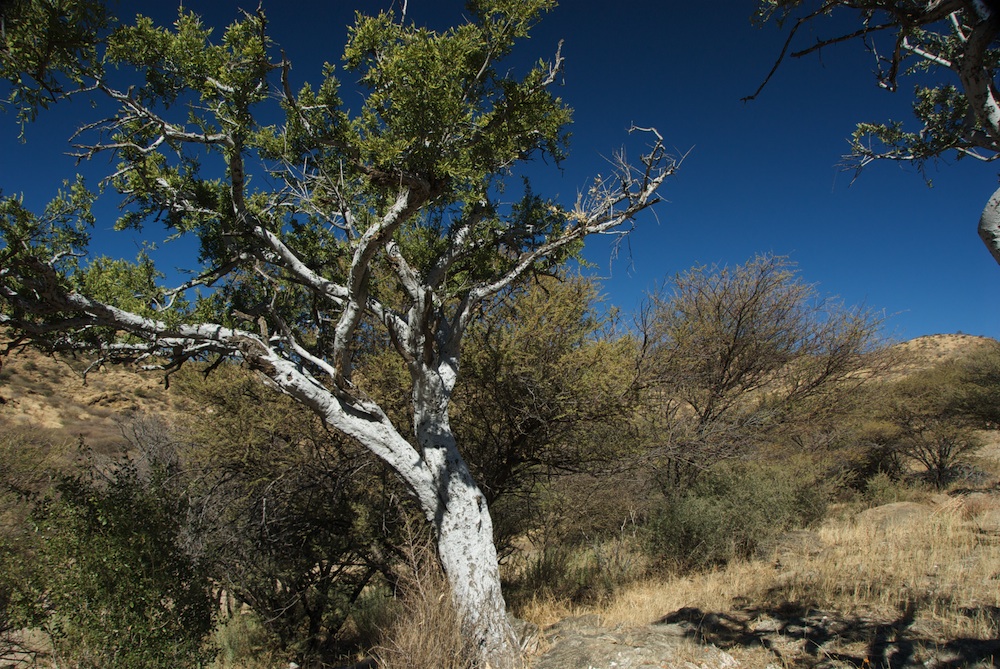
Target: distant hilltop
[931, 349]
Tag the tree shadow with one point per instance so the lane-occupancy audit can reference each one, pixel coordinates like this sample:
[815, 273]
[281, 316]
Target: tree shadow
[800, 636]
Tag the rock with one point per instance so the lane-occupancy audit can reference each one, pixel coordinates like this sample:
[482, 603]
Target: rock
[894, 514]
[580, 643]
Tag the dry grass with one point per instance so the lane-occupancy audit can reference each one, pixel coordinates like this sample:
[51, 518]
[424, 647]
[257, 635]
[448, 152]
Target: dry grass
[942, 559]
[923, 575]
[49, 394]
[427, 633]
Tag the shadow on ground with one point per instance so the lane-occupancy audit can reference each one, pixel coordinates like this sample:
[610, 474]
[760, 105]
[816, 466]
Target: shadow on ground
[803, 637]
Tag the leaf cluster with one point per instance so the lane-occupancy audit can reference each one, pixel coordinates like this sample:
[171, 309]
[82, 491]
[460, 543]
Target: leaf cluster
[48, 49]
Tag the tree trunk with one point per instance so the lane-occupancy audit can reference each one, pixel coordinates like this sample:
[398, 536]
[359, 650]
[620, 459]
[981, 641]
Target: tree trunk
[441, 481]
[468, 555]
[464, 528]
[989, 225]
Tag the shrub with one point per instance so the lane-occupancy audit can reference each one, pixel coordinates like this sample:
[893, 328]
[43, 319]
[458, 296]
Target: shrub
[733, 512]
[122, 591]
[21, 480]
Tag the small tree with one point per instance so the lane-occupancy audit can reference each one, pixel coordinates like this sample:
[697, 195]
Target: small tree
[929, 420]
[980, 371]
[919, 36]
[316, 230]
[732, 355]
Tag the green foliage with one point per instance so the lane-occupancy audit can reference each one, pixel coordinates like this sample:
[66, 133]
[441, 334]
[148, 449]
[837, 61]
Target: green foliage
[425, 85]
[883, 489]
[244, 642]
[980, 373]
[121, 590]
[733, 512]
[46, 49]
[441, 117]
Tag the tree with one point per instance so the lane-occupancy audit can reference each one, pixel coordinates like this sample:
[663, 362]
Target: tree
[980, 370]
[931, 416]
[320, 229]
[922, 37]
[732, 355]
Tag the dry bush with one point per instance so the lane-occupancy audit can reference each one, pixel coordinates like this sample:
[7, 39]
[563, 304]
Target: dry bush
[427, 632]
[582, 573]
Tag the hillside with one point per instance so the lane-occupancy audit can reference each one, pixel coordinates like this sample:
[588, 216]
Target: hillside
[49, 393]
[50, 396]
[924, 352]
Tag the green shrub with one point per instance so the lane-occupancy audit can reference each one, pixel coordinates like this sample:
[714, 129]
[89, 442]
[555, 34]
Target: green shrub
[122, 592]
[733, 512]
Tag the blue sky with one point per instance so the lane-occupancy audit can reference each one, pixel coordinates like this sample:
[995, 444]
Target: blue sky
[759, 177]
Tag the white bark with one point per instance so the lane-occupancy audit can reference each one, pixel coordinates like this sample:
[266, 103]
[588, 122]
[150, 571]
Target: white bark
[440, 480]
[989, 225]
[462, 521]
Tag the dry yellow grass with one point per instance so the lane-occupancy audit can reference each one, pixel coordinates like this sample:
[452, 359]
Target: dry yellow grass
[942, 559]
[49, 396]
[923, 575]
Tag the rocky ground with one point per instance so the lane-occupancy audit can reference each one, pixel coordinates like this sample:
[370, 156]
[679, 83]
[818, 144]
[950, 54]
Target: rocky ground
[793, 637]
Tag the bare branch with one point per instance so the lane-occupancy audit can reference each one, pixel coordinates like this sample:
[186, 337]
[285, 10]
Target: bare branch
[615, 201]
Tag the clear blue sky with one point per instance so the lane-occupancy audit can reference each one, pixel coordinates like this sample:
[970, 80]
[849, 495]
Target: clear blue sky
[760, 177]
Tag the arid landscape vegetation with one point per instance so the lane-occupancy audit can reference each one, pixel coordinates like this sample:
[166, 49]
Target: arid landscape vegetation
[213, 521]
[359, 401]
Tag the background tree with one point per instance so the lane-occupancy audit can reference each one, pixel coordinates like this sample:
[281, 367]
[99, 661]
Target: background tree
[547, 389]
[925, 37]
[926, 419]
[980, 373]
[389, 217]
[732, 356]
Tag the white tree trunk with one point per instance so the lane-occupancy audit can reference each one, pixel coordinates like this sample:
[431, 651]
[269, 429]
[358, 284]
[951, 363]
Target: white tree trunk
[989, 225]
[464, 527]
[441, 481]
[468, 555]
